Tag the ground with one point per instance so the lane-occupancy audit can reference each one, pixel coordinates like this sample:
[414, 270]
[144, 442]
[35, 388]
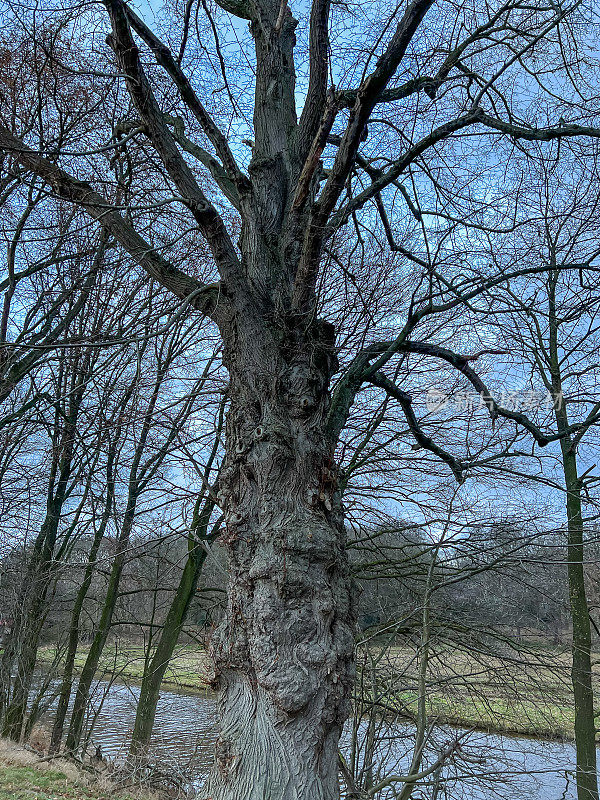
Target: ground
[23, 776]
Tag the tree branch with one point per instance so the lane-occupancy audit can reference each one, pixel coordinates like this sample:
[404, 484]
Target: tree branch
[239, 8]
[348, 97]
[224, 182]
[462, 364]
[205, 214]
[367, 97]
[424, 441]
[165, 59]
[565, 130]
[318, 49]
[388, 177]
[98, 208]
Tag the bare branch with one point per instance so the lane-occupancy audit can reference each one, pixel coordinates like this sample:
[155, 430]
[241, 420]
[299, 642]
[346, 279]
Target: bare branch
[238, 8]
[348, 97]
[204, 212]
[69, 188]
[164, 57]
[367, 97]
[391, 175]
[424, 441]
[566, 130]
[226, 185]
[317, 85]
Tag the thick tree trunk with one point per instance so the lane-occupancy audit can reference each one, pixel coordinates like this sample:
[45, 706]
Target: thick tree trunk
[284, 653]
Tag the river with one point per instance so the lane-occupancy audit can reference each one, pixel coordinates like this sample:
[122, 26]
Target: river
[486, 765]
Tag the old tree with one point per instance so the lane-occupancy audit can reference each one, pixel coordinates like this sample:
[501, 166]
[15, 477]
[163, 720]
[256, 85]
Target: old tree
[417, 130]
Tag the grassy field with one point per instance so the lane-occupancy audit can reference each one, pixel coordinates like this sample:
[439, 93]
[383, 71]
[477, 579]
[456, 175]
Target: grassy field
[28, 783]
[24, 777]
[189, 669]
[527, 716]
[529, 695]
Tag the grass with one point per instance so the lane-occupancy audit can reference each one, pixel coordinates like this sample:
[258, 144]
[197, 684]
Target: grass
[189, 669]
[28, 783]
[23, 776]
[527, 695]
[549, 720]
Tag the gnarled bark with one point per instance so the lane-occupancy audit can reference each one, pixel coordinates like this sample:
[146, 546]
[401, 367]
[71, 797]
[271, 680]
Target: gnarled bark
[284, 653]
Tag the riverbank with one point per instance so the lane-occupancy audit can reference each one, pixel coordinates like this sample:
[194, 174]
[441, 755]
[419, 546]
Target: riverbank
[529, 696]
[189, 669]
[25, 775]
[525, 693]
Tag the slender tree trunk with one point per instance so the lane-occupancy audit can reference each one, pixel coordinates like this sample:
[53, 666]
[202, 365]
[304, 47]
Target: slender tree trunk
[581, 672]
[155, 672]
[16, 710]
[581, 669]
[73, 642]
[92, 661]
[90, 667]
[41, 568]
[20, 654]
[31, 614]
[284, 653]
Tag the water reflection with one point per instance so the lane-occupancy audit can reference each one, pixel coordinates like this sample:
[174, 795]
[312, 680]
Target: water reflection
[184, 731]
[487, 766]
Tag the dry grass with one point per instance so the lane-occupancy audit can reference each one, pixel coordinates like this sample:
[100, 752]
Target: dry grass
[25, 775]
[189, 668]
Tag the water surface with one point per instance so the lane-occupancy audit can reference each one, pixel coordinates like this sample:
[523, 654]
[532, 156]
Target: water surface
[485, 765]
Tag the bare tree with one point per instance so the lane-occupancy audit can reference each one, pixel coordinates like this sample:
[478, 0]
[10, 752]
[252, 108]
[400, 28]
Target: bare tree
[552, 325]
[20, 653]
[371, 151]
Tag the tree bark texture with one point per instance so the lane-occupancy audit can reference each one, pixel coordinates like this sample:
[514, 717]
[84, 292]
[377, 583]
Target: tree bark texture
[284, 653]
